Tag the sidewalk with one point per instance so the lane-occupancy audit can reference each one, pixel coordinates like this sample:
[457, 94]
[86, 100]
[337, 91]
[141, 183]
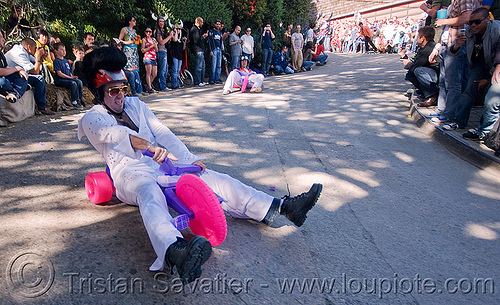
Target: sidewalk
[474, 152]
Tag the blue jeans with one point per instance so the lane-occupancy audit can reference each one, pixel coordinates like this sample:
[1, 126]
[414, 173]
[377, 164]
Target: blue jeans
[162, 59]
[216, 66]
[267, 56]
[75, 85]
[425, 79]
[464, 103]
[38, 83]
[307, 64]
[279, 70]
[176, 68]
[450, 81]
[491, 109]
[199, 69]
[321, 59]
[134, 81]
[235, 62]
[13, 82]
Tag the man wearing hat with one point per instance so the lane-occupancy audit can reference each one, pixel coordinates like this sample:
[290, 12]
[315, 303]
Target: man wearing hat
[120, 127]
[243, 77]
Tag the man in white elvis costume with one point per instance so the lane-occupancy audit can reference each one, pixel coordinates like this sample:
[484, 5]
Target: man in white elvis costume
[120, 127]
[243, 77]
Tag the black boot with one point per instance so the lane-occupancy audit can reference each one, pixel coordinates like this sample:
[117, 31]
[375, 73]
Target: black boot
[296, 208]
[188, 257]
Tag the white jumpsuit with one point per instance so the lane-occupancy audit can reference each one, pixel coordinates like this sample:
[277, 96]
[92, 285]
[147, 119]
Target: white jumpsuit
[134, 175]
[235, 77]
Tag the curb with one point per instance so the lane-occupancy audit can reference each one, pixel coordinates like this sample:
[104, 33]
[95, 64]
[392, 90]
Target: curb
[481, 159]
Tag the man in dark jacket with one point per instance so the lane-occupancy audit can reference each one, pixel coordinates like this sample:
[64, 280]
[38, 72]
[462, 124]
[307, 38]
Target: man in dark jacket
[421, 73]
[197, 44]
[281, 62]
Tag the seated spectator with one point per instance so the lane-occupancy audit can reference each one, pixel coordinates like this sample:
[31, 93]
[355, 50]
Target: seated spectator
[88, 42]
[238, 76]
[319, 55]
[281, 62]
[19, 55]
[47, 57]
[381, 43]
[308, 63]
[14, 80]
[491, 109]
[421, 73]
[77, 66]
[482, 43]
[64, 78]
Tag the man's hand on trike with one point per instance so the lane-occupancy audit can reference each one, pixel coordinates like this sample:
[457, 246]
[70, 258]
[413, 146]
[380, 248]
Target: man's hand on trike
[161, 153]
[200, 164]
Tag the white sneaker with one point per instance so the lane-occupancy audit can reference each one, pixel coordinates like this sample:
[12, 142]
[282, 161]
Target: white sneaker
[226, 91]
[202, 84]
[451, 126]
[256, 90]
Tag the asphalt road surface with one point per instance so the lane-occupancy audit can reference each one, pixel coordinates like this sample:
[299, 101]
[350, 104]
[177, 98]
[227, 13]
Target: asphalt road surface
[401, 220]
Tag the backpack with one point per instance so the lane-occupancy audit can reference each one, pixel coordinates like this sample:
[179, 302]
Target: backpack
[492, 139]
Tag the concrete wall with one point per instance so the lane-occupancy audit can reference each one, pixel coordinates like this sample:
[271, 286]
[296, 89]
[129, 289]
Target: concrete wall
[332, 8]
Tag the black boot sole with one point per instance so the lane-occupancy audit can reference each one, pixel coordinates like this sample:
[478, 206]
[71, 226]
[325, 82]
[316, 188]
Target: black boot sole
[300, 216]
[199, 250]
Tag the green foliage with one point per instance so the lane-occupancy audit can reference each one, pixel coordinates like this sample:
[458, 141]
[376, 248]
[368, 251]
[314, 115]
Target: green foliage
[295, 11]
[244, 10]
[209, 10]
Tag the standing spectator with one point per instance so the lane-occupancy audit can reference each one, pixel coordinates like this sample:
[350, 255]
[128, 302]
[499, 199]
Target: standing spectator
[88, 42]
[310, 33]
[149, 48]
[215, 46]
[130, 40]
[367, 35]
[178, 45]
[248, 45]
[20, 55]
[77, 66]
[235, 43]
[421, 73]
[307, 62]
[197, 43]
[483, 52]
[13, 80]
[267, 38]
[319, 55]
[65, 79]
[163, 37]
[287, 38]
[133, 76]
[297, 45]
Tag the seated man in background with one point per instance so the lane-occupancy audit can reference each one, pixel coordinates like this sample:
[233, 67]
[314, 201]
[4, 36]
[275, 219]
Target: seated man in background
[281, 62]
[421, 73]
[19, 55]
[13, 80]
[238, 76]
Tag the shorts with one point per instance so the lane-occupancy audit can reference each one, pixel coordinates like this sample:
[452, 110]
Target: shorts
[150, 62]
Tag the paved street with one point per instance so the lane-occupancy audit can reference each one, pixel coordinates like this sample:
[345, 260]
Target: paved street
[401, 219]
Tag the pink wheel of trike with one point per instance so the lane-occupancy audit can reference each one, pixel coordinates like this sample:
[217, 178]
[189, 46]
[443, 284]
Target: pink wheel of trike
[209, 219]
[99, 187]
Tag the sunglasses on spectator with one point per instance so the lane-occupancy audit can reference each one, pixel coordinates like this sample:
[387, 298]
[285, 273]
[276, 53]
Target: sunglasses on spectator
[148, 31]
[475, 21]
[114, 91]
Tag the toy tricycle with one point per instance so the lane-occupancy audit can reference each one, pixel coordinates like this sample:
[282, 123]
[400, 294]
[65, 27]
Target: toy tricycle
[197, 205]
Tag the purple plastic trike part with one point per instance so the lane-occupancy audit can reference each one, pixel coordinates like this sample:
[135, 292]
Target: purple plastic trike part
[181, 222]
[168, 168]
[176, 204]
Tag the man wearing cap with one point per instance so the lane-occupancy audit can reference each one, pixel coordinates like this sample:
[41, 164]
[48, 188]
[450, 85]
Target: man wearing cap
[243, 77]
[121, 127]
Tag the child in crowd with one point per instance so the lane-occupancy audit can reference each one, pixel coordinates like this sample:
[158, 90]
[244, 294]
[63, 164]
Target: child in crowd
[77, 67]
[64, 78]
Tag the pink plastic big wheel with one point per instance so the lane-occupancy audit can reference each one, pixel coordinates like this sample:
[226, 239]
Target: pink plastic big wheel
[99, 187]
[209, 220]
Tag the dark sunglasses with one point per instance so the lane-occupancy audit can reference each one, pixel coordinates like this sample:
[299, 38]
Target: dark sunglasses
[147, 31]
[114, 91]
[475, 21]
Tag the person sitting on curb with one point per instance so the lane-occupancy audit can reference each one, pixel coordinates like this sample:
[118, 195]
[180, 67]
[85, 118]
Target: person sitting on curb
[281, 62]
[13, 80]
[19, 55]
[65, 79]
[120, 127]
[243, 76]
[421, 73]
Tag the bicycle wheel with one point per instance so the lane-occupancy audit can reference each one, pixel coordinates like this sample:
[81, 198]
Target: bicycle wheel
[186, 78]
[209, 220]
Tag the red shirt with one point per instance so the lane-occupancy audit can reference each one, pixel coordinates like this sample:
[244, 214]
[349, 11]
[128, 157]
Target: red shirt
[319, 49]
